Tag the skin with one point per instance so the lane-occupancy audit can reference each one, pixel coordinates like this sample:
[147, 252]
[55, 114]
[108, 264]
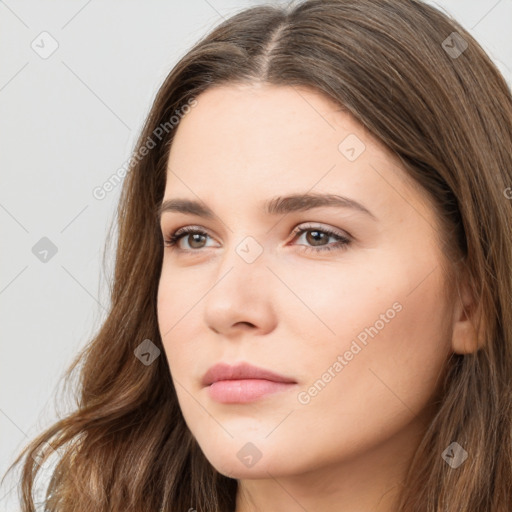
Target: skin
[295, 311]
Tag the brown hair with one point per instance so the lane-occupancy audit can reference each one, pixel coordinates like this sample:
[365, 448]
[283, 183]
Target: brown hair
[448, 117]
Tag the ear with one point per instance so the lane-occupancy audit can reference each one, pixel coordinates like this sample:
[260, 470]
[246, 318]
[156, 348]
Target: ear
[468, 328]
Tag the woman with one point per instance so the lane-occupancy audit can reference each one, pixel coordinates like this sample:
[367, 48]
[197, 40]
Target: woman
[311, 300]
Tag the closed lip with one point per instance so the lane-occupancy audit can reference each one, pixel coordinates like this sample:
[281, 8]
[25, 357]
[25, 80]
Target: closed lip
[224, 371]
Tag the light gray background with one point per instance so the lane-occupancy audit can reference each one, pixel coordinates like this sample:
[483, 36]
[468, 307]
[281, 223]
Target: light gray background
[68, 122]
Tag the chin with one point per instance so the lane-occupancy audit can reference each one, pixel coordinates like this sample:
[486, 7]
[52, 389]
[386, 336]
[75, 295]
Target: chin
[244, 461]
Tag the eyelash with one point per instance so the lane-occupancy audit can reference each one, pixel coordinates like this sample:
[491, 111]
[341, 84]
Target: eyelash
[342, 244]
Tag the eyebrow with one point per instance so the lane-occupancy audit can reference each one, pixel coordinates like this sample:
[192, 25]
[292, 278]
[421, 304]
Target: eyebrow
[275, 206]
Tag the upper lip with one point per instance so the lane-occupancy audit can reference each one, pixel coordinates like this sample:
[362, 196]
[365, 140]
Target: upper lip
[223, 371]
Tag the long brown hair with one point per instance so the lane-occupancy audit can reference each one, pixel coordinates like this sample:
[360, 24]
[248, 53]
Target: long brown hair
[436, 100]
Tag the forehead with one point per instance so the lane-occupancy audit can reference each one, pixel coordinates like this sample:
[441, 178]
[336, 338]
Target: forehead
[256, 141]
[261, 119]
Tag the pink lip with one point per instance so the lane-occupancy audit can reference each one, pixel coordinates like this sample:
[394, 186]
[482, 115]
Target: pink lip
[242, 383]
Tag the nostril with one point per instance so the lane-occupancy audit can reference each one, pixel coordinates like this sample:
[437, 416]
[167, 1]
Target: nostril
[244, 324]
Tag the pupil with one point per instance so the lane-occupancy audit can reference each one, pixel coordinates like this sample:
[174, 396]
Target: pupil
[315, 238]
[195, 237]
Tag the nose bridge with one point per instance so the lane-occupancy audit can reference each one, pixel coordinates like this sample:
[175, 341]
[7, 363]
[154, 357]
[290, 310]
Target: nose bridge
[240, 291]
[243, 261]
[250, 250]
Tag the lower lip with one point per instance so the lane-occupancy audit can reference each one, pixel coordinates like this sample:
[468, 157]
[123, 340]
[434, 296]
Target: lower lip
[244, 390]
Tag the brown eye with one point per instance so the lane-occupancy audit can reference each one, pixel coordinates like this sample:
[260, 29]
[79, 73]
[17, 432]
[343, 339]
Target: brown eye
[194, 237]
[195, 240]
[317, 239]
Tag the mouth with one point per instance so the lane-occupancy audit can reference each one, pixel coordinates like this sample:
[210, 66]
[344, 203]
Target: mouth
[244, 390]
[243, 383]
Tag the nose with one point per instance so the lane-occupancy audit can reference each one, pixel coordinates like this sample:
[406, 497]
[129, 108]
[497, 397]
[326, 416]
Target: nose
[240, 298]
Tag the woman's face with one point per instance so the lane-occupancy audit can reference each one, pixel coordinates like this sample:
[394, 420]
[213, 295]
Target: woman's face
[345, 300]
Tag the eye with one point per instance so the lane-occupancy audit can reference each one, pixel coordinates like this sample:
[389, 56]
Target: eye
[317, 236]
[190, 233]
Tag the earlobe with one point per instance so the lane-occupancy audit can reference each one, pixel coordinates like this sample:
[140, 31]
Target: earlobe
[468, 329]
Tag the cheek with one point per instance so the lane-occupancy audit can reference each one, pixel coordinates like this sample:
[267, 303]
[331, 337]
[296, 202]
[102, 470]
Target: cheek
[385, 381]
[392, 343]
[178, 305]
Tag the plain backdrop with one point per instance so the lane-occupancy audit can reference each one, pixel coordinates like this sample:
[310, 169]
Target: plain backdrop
[77, 78]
